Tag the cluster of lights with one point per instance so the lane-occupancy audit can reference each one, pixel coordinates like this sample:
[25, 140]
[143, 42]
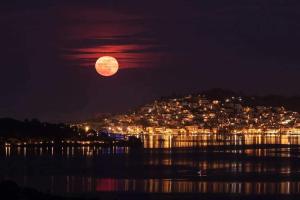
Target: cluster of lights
[197, 114]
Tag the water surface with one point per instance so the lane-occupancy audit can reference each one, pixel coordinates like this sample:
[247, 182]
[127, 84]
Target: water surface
[253, 164]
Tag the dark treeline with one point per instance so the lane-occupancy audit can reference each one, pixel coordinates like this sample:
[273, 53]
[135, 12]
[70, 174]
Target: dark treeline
[34, 129]
[289, 102]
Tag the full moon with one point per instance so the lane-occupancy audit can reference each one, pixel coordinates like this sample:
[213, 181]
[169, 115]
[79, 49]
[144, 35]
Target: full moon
[107, 66]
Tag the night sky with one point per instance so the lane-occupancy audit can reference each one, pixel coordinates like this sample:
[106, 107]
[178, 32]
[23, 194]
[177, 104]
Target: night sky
[49, 48]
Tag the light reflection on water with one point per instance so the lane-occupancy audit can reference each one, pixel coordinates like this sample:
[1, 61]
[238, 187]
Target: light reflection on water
[72, 184]
[163, 141]
[162, 167]
[67, 151]
[169, 186]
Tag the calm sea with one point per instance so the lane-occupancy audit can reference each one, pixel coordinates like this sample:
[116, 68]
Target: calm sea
[254, 164]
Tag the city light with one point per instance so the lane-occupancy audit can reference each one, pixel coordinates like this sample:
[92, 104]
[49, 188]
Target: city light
[200, 115]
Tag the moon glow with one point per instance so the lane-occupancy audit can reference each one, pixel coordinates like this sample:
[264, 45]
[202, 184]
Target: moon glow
[107, 66]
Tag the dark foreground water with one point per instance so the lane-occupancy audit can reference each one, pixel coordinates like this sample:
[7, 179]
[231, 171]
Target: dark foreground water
[246, 165]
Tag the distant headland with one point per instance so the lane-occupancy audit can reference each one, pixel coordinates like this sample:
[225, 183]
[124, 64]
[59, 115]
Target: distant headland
[212, 111]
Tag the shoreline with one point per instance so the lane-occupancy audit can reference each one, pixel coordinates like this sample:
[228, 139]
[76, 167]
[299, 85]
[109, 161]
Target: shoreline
[130, 144]
[72, 143]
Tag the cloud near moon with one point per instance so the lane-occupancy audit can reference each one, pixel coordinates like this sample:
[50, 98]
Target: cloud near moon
[105, 34]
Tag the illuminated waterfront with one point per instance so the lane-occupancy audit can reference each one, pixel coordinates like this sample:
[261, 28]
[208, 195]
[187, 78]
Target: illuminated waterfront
[252, 164]
[204, 140]
[198, 115]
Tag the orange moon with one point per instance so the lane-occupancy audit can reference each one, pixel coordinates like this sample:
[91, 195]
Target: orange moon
[107, 66]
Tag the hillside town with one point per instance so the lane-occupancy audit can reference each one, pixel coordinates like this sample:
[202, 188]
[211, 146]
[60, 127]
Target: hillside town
[197, 114]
